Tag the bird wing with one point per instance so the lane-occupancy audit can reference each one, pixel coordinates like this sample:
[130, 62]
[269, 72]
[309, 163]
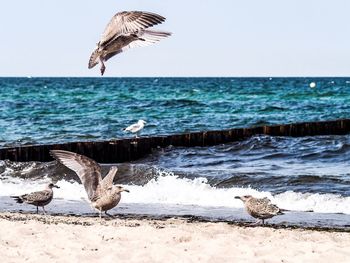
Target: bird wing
[108, 179]
[274, 209]
[148, 37]
[265, 200]
[132, 127]
[39, 196]
[263, 207]
[87, 169]
[112, 54]
[129, 22]
[270, 207]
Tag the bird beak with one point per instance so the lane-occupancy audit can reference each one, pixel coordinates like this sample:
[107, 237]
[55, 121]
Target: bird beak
[126, 190]
[56, 186]
[238, 197]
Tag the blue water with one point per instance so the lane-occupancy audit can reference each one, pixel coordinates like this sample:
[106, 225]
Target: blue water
[56, 110]
[310, 173]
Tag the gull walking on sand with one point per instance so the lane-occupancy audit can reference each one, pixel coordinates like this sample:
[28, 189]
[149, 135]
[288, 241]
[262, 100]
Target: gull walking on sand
[102, 193]
[136, 127]
[126, 30]
[39, 198]
[260, 208]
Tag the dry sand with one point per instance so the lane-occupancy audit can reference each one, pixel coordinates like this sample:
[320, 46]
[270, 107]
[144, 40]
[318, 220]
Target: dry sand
[36, 238]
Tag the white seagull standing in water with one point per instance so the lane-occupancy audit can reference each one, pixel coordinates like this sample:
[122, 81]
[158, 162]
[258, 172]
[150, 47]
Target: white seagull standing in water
[136, 127]
[126, 30]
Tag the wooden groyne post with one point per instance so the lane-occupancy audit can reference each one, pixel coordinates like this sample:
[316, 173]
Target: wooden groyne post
[126, 150]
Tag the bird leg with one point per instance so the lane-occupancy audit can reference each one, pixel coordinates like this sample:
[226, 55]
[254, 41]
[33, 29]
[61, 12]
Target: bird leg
[100, 213]
[103, 67]
[44, 210]
[37, 210]
[108, 214]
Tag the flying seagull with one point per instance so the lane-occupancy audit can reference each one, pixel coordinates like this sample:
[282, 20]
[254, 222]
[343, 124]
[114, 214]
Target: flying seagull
[126, 30]
[136, 127]
[39, 198]
[102, 193]
[260, 208]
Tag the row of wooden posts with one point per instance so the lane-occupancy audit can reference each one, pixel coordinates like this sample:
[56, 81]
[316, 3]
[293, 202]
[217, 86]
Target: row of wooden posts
[126, 150]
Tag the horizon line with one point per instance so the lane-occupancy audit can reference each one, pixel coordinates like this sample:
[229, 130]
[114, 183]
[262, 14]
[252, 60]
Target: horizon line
[108, 77]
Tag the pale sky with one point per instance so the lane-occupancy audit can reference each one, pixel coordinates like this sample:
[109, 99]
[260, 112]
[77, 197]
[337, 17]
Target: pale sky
[210, 38]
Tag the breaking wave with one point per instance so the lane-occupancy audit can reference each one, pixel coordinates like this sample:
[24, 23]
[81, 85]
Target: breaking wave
[168, 188]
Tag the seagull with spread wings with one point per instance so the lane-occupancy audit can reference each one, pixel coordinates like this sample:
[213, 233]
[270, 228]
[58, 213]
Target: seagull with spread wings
[101, 192]
[126, 30]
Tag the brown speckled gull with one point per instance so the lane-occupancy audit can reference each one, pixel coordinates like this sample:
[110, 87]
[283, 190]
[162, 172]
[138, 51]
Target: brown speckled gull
[39, 198]
[260, 208]
[102, 193]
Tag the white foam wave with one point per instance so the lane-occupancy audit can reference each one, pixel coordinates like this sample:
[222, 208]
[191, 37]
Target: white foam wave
[170, 189]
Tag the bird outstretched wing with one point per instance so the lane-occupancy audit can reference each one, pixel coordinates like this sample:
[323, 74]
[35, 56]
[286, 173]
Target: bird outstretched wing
[108, 179]
[129, 22]
[87, 169]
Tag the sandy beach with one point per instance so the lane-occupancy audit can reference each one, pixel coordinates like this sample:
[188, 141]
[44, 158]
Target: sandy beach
[38, 238]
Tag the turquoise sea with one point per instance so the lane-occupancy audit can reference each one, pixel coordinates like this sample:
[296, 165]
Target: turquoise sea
[299, 174]
[52, 110]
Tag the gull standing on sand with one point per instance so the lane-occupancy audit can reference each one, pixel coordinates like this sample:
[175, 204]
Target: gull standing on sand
[39, 198]
[260, 208]
[102, 193]
[126, 30]
[136, 127]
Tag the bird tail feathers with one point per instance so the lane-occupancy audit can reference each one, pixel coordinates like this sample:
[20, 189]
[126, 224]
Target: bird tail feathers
[147, 37]
[18, 199]
[154, 36]
[282, 210]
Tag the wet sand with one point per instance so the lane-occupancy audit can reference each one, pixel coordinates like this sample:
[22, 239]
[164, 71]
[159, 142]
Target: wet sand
[54, 238]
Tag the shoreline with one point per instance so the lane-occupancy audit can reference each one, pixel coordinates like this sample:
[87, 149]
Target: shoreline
[93, 219]
[64, 238]
[237, 216]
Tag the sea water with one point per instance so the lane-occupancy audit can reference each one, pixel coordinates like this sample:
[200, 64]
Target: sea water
[299, 174]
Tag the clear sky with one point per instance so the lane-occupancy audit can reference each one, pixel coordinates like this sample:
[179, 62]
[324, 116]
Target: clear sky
[210, 38]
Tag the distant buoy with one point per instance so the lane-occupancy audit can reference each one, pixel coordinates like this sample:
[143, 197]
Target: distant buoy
[312, 85]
